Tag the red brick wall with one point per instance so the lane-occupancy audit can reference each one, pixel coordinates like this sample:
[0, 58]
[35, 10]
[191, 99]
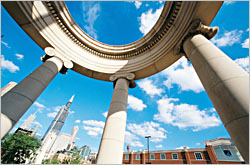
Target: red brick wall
[182, 158]
[205, 157]
[211, 154]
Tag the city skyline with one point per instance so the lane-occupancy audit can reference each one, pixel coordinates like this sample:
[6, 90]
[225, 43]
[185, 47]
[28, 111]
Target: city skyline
[157, 103]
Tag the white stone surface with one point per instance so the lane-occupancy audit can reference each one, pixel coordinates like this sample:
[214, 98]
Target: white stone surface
[226, 84]
[7, 87]
[112, 142]
[17, 101]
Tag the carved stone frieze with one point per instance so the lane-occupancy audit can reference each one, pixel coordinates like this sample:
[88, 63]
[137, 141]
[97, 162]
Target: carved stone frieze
[168, 23]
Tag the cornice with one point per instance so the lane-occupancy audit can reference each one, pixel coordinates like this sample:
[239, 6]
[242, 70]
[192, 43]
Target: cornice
[57, 9]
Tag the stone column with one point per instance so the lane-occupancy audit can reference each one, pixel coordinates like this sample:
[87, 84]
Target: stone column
[226, 84]
[17, 101]
[112, 142]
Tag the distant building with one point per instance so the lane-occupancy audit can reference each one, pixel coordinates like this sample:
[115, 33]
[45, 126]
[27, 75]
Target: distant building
[92, 157]
[61, 156]
[73, 138]
[61, 143]
[85, 152]
[216, 151]
[28, 121]
[52, 133]
[25, 127]
[27, 132]
[64, 141]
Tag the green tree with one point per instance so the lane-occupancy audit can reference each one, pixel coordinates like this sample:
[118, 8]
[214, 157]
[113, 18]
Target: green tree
[76, 159]
[66, 161]
[46, 161]
[49, 161]
[55, 161]
[18, 147]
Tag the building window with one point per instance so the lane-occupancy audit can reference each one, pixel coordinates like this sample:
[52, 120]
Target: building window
[137, 157]
[152, 157]
[163, 157]
[198, 156]
[174, 156]
[227, 152]
[126, 157]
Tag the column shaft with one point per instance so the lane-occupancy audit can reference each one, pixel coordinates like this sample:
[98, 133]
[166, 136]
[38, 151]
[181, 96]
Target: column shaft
[226, 84]
[17, 101]
[112, 142]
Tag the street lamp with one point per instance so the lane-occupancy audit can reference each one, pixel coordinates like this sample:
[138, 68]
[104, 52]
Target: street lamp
[148, 148]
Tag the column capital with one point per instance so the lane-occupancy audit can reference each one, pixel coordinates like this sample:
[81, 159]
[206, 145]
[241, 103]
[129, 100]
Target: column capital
[51, 52]
[196, 27]
[128, 76]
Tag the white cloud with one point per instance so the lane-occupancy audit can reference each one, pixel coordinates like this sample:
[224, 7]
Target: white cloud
[152, 129]
[77, 121]
[37, 134]
[182, 147]
[138, 4]
[5, 44]
[212, 110]
[19, 56]
[156, 140]
[184, 75]
[71, 112]
[9, 65]
[77, 138]
[159, 146]
[92, 13]
[58, 108]
[105, 114]
[148, 86]
[94, 123]
[184, 115]
[245, 44]
[197, 144]
[229, 2]
[243, 62]
[39, 105]
[52, 114]
[93, 127]
[228, 38]
[148, 20]
[93, 131]
[132, 140]
[37, 123]
[135, 103]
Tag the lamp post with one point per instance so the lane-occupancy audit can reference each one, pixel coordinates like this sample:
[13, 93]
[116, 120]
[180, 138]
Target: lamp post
[148, 148]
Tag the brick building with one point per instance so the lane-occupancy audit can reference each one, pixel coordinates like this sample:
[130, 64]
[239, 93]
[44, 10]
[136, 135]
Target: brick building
[216, 151]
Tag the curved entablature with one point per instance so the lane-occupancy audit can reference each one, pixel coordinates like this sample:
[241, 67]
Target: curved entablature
[69, 26]
[50, 24]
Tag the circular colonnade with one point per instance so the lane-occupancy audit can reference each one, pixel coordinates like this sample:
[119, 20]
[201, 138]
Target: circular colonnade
[182, 29]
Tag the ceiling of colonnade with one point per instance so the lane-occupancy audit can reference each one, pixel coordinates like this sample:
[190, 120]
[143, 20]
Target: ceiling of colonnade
[50, 24]
[115, 23]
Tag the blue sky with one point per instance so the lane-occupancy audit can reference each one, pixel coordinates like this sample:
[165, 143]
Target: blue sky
[171, 106]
